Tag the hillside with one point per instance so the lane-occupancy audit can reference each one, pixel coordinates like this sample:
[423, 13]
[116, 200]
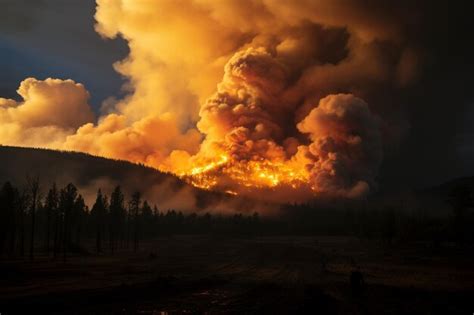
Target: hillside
[89, 173]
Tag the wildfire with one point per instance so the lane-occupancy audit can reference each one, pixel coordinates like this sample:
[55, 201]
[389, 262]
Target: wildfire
[225, 173]
[203, 169]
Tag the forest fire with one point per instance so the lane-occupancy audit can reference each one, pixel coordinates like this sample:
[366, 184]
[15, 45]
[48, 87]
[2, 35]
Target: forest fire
[226, 174]
[281, 107]
[236, 157]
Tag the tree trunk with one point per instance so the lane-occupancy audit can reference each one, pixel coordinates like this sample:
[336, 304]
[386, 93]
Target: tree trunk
[34, 189]
[65, 234]
[48, 228]
[22, 233]
[56, 235]
[32, 239]
[135, 234]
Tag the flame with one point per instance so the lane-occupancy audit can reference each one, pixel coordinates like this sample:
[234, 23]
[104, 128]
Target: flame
[246, 110]
[210, 166]
[225, 172]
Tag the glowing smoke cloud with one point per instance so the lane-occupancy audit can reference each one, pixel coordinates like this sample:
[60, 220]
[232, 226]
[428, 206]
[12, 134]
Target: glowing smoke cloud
[239, 97]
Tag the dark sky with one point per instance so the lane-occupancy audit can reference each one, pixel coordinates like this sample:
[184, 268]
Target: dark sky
[440, 107]
[56, 38]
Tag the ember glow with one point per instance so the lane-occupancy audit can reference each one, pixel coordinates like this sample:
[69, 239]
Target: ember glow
[270, 96]
[249, 174]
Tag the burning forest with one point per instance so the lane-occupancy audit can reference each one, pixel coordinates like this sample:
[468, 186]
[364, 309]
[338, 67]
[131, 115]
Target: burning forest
[284, 99]
[236, 157]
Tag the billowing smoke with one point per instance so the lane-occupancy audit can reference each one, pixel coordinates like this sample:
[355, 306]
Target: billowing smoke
[271, 96]
[346, 149]
[50, 110]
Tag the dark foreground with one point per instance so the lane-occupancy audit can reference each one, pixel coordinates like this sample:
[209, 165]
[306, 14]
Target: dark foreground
[205, 275]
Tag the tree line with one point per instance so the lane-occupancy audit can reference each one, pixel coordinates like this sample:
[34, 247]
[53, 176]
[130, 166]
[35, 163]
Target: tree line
[57, 222]
[389, 221]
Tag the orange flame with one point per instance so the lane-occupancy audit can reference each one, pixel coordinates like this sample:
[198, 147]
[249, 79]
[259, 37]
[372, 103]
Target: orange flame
[225, 172]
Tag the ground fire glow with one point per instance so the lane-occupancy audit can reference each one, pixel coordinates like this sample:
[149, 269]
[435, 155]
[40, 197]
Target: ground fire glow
[253, 174]
[267, 103]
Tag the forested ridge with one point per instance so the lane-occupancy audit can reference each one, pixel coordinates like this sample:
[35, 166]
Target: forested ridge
[41, 212]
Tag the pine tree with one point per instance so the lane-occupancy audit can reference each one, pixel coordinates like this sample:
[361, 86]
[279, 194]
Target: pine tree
[22, 206]
[135, 209]
[34, 190]
[79, 212]
[117, 212]
[99, 213]
[146, 220]
[67, 201]
[51, 207]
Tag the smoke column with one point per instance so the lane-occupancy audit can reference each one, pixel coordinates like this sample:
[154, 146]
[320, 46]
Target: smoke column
[263, 96]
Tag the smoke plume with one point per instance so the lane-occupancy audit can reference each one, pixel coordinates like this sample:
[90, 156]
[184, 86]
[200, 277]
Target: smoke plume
[281, 97]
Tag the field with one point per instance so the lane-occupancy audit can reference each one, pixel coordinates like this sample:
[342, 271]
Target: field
[274, 275]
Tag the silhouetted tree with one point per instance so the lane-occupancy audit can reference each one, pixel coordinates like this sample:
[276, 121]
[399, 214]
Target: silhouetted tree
[129, 224]
[155, 229]
[67, 202]
[77, 218]
[99, 213]
[135, 203]
[51, 208]
[147, 220]
[22, 206]
[117, 216]
[34, 191]
[65, 216]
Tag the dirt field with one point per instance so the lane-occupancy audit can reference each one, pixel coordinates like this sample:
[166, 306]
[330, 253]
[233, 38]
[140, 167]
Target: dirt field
[208, 275]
